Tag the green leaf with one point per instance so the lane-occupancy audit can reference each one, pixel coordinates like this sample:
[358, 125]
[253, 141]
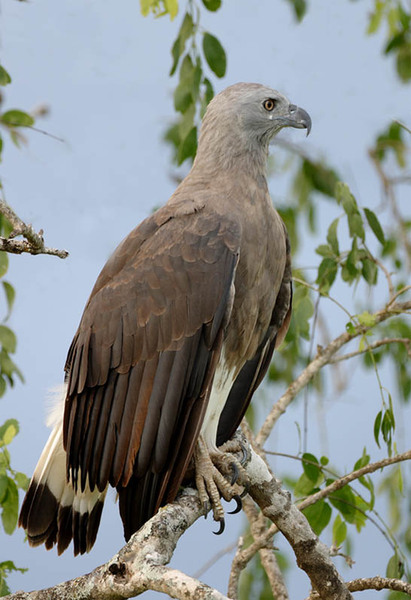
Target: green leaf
[8, 339]
[375, 18]
[171, 7]
[322, 178]
[5, 78]
[208, 95]
[304, 486]
[355, 225]
[16, 118]
[303, 310]
[313, 471]
[212, 5]
[327, 272]
[214, 54]
[344, 501]
[318, 515]
[325, 250]
[10, 296]
[395, 42]
[349, 271]
[369, 271]
[4, 482]
[179, 45]
[395, 568]
[22, 481]
[362, 461]
[4, 263]
[404, 63]
[349, 204]
[367, 319]
[375, 225]
[10, 506]
[332, 238]
[9, 434]
[350, 328]
[12, 427]
[4, 588]
[188, 147]
[300, 8]
[339, 531]
[388, 427]
[377, 428]
[183, 94]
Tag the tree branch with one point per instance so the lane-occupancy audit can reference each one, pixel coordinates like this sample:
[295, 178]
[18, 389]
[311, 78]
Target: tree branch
[311, 554]
[140, 564]
[371, 346]
[373, 583]
[343, 481]
[268, 560]
[33, 242]
[324, 357]
[264, 540]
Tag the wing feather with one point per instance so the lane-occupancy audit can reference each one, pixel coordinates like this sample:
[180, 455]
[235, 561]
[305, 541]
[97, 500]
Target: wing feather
[140, 366]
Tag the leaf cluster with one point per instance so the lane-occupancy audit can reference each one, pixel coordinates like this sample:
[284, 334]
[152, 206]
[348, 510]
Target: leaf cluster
[397, 20]
[8, 341]
[14, 119]
[345, 505]
[194, 89]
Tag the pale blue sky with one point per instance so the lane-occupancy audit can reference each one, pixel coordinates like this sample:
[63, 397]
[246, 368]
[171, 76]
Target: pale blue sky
[103, 70]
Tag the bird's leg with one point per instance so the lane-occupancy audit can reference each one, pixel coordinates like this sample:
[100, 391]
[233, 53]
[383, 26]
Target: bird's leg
[212, 468]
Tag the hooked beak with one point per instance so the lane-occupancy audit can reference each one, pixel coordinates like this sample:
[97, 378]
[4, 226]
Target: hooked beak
[298, 118]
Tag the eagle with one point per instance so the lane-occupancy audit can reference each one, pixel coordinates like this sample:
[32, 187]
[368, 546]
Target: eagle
[175, 338]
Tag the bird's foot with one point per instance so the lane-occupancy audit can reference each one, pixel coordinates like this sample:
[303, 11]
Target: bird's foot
[219, 475]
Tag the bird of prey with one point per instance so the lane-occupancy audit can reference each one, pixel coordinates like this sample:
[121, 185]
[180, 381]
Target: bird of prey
[175, 338]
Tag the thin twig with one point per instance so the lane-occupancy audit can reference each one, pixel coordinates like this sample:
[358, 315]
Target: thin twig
[33, 242]
[373, 583]
[324, 356]
[343, 481]
[389, 192]
[372, 346]
[266, 537]
[406, 288]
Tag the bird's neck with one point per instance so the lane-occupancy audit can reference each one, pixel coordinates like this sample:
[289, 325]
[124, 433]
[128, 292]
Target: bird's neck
[224, 150]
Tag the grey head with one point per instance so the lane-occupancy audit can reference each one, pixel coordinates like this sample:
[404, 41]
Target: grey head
[242, 119]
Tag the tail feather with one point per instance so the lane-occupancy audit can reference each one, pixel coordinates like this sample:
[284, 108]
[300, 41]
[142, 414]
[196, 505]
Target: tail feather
[53, 511]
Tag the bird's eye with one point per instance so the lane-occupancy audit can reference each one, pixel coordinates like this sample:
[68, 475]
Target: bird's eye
[269, 104]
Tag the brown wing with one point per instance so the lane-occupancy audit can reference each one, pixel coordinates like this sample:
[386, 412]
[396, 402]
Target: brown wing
[253, 371]
[141, 362]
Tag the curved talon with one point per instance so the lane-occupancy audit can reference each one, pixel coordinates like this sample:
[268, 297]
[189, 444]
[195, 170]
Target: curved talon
[222, 527]
[239, 506]
[235, 474]
[245, 490]
[244, 451]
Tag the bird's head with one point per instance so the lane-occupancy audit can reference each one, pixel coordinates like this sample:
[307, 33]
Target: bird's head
[245, 117]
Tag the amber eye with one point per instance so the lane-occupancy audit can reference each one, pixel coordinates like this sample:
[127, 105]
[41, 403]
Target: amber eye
[269, 104]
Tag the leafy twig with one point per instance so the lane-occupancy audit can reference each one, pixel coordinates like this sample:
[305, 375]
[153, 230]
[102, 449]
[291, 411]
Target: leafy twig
[324, 357]
[33, 242]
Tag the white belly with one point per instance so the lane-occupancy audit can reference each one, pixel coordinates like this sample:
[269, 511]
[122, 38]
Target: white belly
[223, 381]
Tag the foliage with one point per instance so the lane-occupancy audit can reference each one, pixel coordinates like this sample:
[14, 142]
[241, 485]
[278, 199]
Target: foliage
[10, 481]
[12, 120]
[398, 25]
